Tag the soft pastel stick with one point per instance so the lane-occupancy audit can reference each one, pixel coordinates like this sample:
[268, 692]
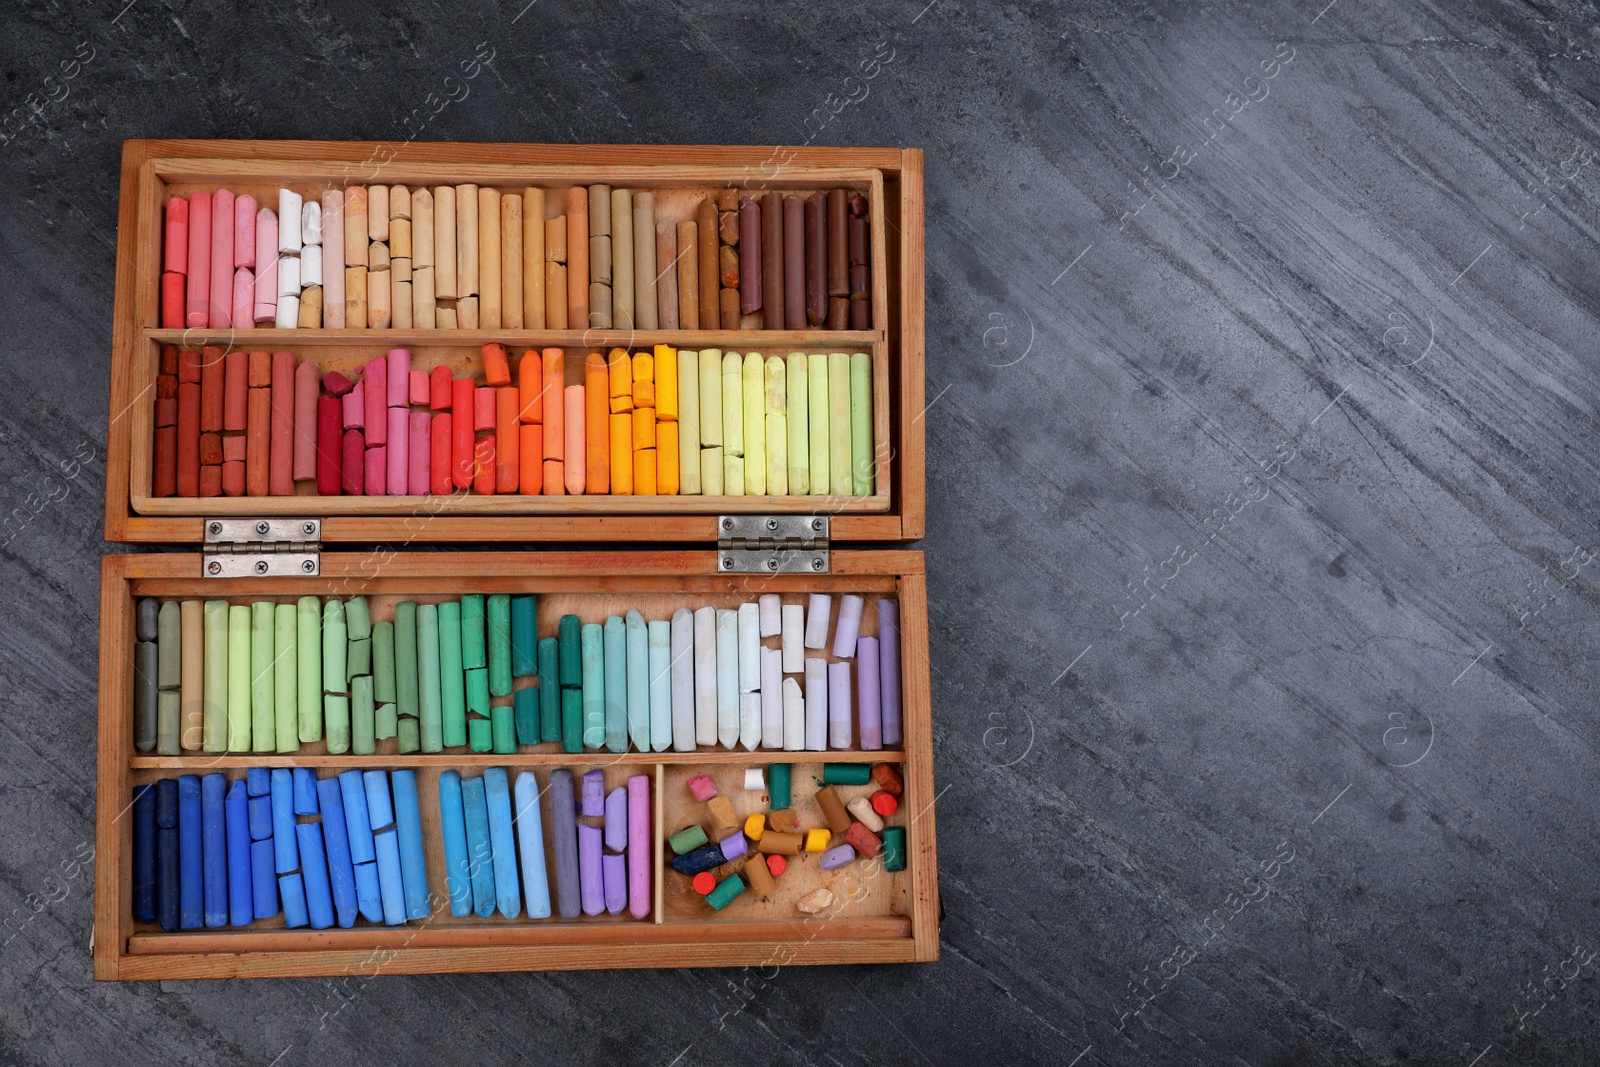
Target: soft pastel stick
[214, 686]
[240, 882]
[452, 675]
[639, 852]
[333, 313]
[638, 681]
[305, 791]
[815, 732]
[286, 676]
[429, 699]
[336, 842]
[212, 860]
[616, 819]
[597, 422]
[753, 378]
[819, 610]
[408, 831]
[292, 888]
[196, 305]
[614, 871]
[266, 265]
[405, 658]
[590, 878]
[604, 654]
[524, 635]
[550, 723]
[375, 388]
[441, 441]
[314, 875]
[705, 676]
[386, 843]
[839, 475]
[794, 716]
[848, 626]
[659, 642]
[799, 426]
[733, 443]
[688, 411]
[398, 452]
[727, 622]
[286, 855]
[144, 847]
[749, 652]
[682, 682]
[771, 698]
[462, 420]
[868, 694]
[889, 669]
[219, 309]
[817, 400]
[263, 699]
[363, 716]
[508, 439]
[263, 880]
[453, 828]
[574, 458]
[168, 855]
[750, 720]
[335, 705]
[564, 829]
[498, 640]
[420, 438]
[571, 720]
[242, 308]
[776, 394]
[175, 247]
[508, 896]
[555, 424]
[525, 715]
[238, 678]
[480, 850]
[839, 707]
[376, 477]
[530, 838]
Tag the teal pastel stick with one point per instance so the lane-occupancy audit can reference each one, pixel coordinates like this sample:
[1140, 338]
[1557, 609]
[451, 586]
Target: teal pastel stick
[549, 691]
[452, 677]
[502, 730]
[431, 719]
[478, 691]
[572, 720]
[500, 644]
[408, 827]
[568, 636]
[525, 713]
[472, 635]
[405, 659]
[595, 663]
[383, 681]
[453, 828]
[480, 852]
[638, 681]
[530, 836]
[497, 792]
[524, 636]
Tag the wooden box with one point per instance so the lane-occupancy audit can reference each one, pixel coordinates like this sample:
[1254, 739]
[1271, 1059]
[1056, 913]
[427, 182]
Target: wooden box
[652, 563]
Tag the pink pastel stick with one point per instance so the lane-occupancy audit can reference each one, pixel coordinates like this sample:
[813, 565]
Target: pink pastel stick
[375, 383]
[244, 231]
[639, 857]
[399, 451]
[196, 315]
[421, 445]
[244, 299]
[220, 308]
[333, 259]
[421, 390]
[307, 387]
[267, 266]
[355, 408]
[399, 372]
[575, 472]
[377, 471]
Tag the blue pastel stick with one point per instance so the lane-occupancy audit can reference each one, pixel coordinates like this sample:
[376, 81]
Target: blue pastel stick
[293, 890]
[502, 841]
[258, 781]
[144, 854]
[260, 815]
[263, 882]
[314, 871]
[564, 843]
[530, 835]
[453, 828]
[369, 892]
[236, 808]
[214, 848]
[357, 824]
[191, 852]
[284, 846]
[408, 828]
[336, 842]
[480, 852]
[386, 843]
[167, 853]
[305, 791]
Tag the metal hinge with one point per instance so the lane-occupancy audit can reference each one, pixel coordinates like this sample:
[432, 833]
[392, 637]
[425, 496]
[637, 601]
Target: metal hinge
[772, 544]
[262, 548]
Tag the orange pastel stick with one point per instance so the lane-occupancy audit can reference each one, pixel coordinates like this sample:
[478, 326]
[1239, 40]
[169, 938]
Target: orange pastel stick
[532, 460]
[597, 434]
[666, 458]
[621, 378]
[483, 468]
[258, 440]
[496, 368]
[621, 455]
[507, 439]
[554, 480]
[644, 428]
[530, 384]
[555, 423]
[644, 472]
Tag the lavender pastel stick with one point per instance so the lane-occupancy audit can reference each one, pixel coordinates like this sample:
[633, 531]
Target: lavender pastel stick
[837, 856]
[617, 820]
[591, 879]
[639, 852]
[868, 693]
[848, 626]
[839, 705]
[889, 668]
[614, 869]
[594, 794]
[564, 828]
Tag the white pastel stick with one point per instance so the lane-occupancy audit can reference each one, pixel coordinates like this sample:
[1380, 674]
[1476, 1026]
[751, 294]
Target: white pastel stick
[794, 650]
[844, 635]
[333, 250]
[838, 705]
[661, 724]
[310, 263]
[530, 843]
[311, 223]
[288, 312]
[749, 649]
[682, 681]
[705, 676]
[288, 221]
[750, 720]
[288, 277]
[817, 613]
[754, 780]
[771, 698]
[770, 614]
[794, 716]
[727, 677]
[816, 704]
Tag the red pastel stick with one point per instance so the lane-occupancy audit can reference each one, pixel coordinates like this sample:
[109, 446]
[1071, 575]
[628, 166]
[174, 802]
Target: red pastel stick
[175, 250]
[461, 423]
[439, 444]
[483, 471]
[330, 447]
[375, 385]
[440, 395]
[280, 465]
[353, 464]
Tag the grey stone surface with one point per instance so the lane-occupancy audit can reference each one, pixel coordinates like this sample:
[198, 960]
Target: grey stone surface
[1262, 482]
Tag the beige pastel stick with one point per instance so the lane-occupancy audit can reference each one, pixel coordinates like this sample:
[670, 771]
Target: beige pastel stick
[622, 259]
[399, 204]
[310, 308]
[578, 258]
[467, 312]
[445, 316]
[355, 229]
[401, 315]
[644, 259]
[380, 295]
[400, 238]
[533, 258]
[444, 243]
[355, 298]
[839, 477]
[192, 682]
[599, 211]
[421, 228]
[511, 261]
[666, 280]
[378, 212]
[333, 258]
[555, 296]
[688, 276]
[422, 299]
[490, 243]
[555, 242]
[466, 242]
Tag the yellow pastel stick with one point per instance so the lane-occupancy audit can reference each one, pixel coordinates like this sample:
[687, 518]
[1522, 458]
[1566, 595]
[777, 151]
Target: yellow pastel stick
[732, 411]
[644, 470]
[799, 428]
[666, 386]
[667, 457]
[861, 424]
[621, 453]
[644, 431]
[817, 399]
[732, 474]
[644, 381]
[620, 377]
[777, 428]
[688, 421]
[755, 425]
[710, 402]
[839, 480]
[711, 471]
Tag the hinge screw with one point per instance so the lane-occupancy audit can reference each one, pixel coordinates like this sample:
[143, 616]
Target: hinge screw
[214, 567]
[816, 524]
[309, 528]
[262, 527]
[772, 524]
[261, 566]
[727, 524]
[816, 563]
[308, 566]
[772, 565]
[215, 527]
[727, 563]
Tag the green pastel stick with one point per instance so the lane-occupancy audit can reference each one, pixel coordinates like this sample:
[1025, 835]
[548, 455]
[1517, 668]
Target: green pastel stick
[169, 702]
[386, 723]
[894, 848]
[263, 704]
[363, 716]
[503, 728]
[549, 692]
[472, 637]
[408, 739]
[169, 647]
[286, 676]
[839, 423]
[568, 635]
[500, 645]
[383, 662]
[336, 717]
[778, 785]
[214, 721]
[308, 640]
[817, 415]
[799, 427]
[594, 683]
[725, 891]
[405, 658]
[526, 715]
[615, 693]
[358, 658]
[429, 701]
[452, 680]
[478, 691]
[357, 620]
[335, 645]
[688, 839]
[524, 635]
[480, 735]
[639, 680]
[861, 424]
[846, 773]
[239, 678]
[572, 720]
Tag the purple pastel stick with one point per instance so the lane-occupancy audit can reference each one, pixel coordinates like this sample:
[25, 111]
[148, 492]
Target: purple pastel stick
[617, 821]
[867, 692]
[837, 857]
[639, 846]
[734, 845]
[594, 794]
[564, 841]
[589, 869]
[889, 668]
[839, 705]
[615, 869]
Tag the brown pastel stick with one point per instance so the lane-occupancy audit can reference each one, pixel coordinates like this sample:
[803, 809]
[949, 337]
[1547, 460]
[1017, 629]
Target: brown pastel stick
[490, 244]
[728, 199]
[775, 841]
[838, 313]
[355, 232]
[728, 227]
[577, 261]
[644, 261]
[816, 261]
[444, 244]
[555, 296]
[466, 241]
[688, 276]
[728, 275]
[666, 282]
[730, 308]
[833, 809]
[422, 233]
[280, 460]
[511, 284]
[188, 477]
[355, 297]
[760, 879]
[838, 249]
[258, 442]
[211, 388]
[771, 261]
[794, 263]
[705, 217]
[750, 282]
[260, 370]
[211, 480]
[235, 406]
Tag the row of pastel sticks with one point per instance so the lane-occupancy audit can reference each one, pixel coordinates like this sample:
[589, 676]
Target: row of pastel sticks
[599, 868]
[207, 853]
[267, 677]
[469, 257]
[666, 422]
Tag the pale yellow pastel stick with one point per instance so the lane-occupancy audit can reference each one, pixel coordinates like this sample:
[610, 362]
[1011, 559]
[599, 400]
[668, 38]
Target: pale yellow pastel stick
[710, 401]
[711, 471]
[732, 405]
[777, 427]
[755, 425]
[861, 424]
[839, 480]
[688, 395]
[799, 429]
[817, 401]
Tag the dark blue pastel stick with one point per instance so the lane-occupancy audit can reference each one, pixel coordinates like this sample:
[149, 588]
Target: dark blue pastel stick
[305, 791]
[191, 856]
[386, 843]
[260, 816]
[144, 854]
[314, 871]
[263, 882]
[357, 823]
[408, 828]
[241, 900]
[564, 842]
[453, 828]
[502, 841]
[369, 892]
[293, 890]
[167, 852]
[258, 781]
[335, 837]
[480, 853]
[214, 849]
[284, 847]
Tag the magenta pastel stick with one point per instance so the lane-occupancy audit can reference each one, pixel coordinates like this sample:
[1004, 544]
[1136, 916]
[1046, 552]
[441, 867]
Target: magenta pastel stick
[868, 693]
[198, 294]
[639, 846]
[399, 372]
[307, 388]
[421, 440]
[244, 231]
[220, 308]
[839, 705]
[377, 464]
[267, 266]
[375, 380]
[355, 408]
[615, 870]
[889, 668]
[590, 879]
[244, 299]
[399, 453]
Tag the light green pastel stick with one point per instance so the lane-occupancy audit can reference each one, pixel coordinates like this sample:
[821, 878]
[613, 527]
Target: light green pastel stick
[592, 652]
[452, 679]
[383, 662]
[168, 703]
[429, 701]
[309, 656]
[357, 619]
[358, 657]
[754, 388]
[616, 686]
[710, 376]
[776, 394]
[386, 722]
[336, 716]
[688, 423]
[263, 649]
[335, 644]
[472, 632]
[799, 428]
[214, 717]
[363, 716]
[286, 676]
[409, 738]
[638, 681]
[817, 415]
[861, 424]
[238, 678]
[480, 735]
[500, 645]
[839, 480]
[405, 659]
[732, 405]
[478, 691]
[169, 676]
[503, 729]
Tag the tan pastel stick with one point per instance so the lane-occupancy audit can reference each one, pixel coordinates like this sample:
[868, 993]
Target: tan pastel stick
[422, 228]
[379, 295]
[600, 211]
[705, 217]
[400, 238]
[555, 296]
[355, 297]
[310, 307]
[577, 258]
[400, 296]
[511, 260]
[644, 259]
[600, 305]
[555, 242]
[422, 299]
[533, 258]
[489, 246]
[688, 277]
[401, 268]
[355, 230]
[399, 204]
[666, 279]
[466, 242]
[446, 317]
[622, 259]
[378, 212]
[444, 243]
[378, 256]
[467, 312]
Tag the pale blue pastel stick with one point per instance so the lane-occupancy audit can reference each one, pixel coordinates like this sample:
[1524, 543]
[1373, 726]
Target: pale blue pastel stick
[530, 835]
[480, 852]
[502, 841]
[660, 641]
[638, 682]
[592, 655]
[453, 828]
[408, 826]
[617, 685]
[385, 842]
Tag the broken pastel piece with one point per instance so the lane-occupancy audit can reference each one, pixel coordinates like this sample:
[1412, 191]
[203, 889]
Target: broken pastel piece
[614, 875]
[702, 787]
[839, 719]
[837, 856]
[480, 850]
[705, 858]
[617, 819]
[844, 635]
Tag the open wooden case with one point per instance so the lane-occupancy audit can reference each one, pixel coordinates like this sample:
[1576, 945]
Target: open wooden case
[661, 553]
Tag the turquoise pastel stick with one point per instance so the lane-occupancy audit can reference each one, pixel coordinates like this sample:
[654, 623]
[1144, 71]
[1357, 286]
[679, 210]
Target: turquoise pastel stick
[453, 828]
[549, 691]
[480, 851]
[638, 682]
[500, 645]
[616, 686]
[507, 893]
[593, 678]
[472, 632]
[524, 636]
